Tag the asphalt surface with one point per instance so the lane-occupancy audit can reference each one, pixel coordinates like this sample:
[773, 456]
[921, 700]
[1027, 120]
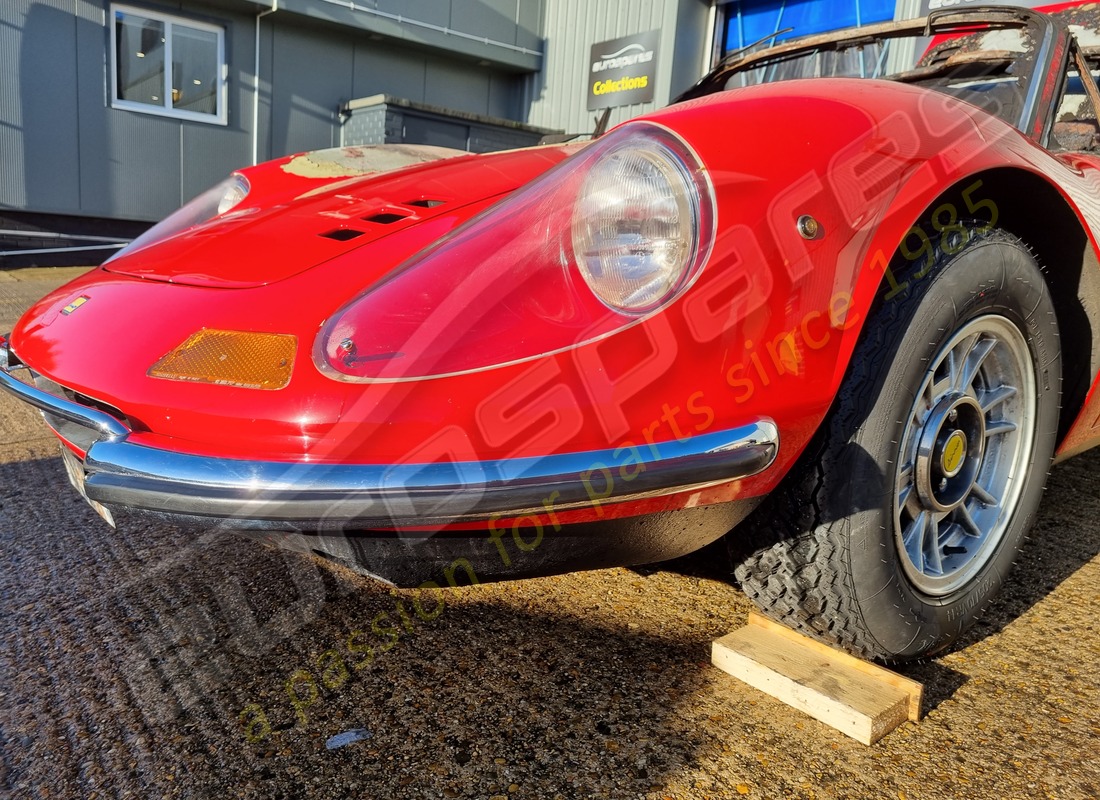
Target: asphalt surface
[149, 662]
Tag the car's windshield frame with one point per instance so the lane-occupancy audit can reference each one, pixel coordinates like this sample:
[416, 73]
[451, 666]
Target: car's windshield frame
[1049, 53]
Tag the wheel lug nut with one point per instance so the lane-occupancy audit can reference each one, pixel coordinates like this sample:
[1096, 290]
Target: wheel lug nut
[943, 484]
[952, 415]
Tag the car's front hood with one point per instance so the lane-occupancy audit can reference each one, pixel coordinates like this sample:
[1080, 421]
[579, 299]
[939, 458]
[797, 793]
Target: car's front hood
[307, 209]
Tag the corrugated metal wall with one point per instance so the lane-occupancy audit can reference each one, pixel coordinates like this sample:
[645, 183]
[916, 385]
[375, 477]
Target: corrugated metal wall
[310, 73]
[504, 33]
[557, 96]
[64, 150]
[38, 152]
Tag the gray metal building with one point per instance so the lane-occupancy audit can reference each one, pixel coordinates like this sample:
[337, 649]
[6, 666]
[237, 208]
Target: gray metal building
[125, 110]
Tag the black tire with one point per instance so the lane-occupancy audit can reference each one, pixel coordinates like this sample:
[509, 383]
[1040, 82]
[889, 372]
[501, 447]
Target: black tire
[825, 553]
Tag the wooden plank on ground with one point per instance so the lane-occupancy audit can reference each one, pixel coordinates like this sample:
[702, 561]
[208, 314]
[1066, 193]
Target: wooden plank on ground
[859, 698]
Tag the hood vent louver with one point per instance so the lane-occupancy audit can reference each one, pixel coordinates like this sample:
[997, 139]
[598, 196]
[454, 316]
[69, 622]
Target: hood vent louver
[342, 234]
[385, 218]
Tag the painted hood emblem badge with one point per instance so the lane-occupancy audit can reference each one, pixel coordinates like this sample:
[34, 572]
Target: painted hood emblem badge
[75, 304]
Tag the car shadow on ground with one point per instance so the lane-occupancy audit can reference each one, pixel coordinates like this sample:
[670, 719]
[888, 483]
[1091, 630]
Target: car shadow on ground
[210, 664]
[158, 662]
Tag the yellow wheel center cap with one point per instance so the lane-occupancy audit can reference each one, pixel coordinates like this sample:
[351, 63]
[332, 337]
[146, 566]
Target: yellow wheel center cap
[954, 454]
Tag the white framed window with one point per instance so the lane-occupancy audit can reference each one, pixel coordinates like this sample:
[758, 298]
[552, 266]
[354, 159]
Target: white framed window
[167, 65]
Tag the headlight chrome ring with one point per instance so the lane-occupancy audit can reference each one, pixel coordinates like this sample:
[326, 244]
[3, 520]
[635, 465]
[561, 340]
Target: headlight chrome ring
[641, 222]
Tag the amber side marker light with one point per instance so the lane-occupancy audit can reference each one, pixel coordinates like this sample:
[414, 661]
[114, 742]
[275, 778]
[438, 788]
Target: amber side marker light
[231, 358]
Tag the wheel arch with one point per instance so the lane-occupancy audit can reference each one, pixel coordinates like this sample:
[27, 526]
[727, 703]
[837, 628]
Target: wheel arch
[1031, 208]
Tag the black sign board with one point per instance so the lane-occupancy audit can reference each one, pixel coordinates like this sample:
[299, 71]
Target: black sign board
[622, 71]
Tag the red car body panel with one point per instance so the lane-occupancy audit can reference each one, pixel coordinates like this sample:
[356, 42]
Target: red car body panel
[773, 317]
[280, 231]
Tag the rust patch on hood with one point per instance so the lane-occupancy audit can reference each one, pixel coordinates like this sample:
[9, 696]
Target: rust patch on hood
[353, 162]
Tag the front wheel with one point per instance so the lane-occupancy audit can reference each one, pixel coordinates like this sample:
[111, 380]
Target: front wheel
[906, 512]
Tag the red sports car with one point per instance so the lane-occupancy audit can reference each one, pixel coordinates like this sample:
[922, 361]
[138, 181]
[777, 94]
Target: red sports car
[851, 318]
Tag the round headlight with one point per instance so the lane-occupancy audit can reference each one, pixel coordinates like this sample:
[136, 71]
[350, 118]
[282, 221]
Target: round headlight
[637, 223]
[235, 191]
[214, 201]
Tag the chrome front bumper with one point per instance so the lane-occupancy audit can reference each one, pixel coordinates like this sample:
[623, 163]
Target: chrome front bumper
[123, 475]
[102, 425]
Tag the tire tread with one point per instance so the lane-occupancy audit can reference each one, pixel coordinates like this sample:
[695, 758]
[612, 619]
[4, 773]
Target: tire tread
[790, 556]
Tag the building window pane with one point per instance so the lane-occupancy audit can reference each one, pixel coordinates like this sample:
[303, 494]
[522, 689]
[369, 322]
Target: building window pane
[151, 47]
[194, 69]
[139, 49]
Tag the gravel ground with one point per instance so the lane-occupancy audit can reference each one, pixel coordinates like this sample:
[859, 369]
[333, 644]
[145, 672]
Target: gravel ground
[151, 662]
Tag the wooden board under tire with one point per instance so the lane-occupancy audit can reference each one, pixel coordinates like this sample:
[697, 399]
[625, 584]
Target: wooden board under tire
[856, 697]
